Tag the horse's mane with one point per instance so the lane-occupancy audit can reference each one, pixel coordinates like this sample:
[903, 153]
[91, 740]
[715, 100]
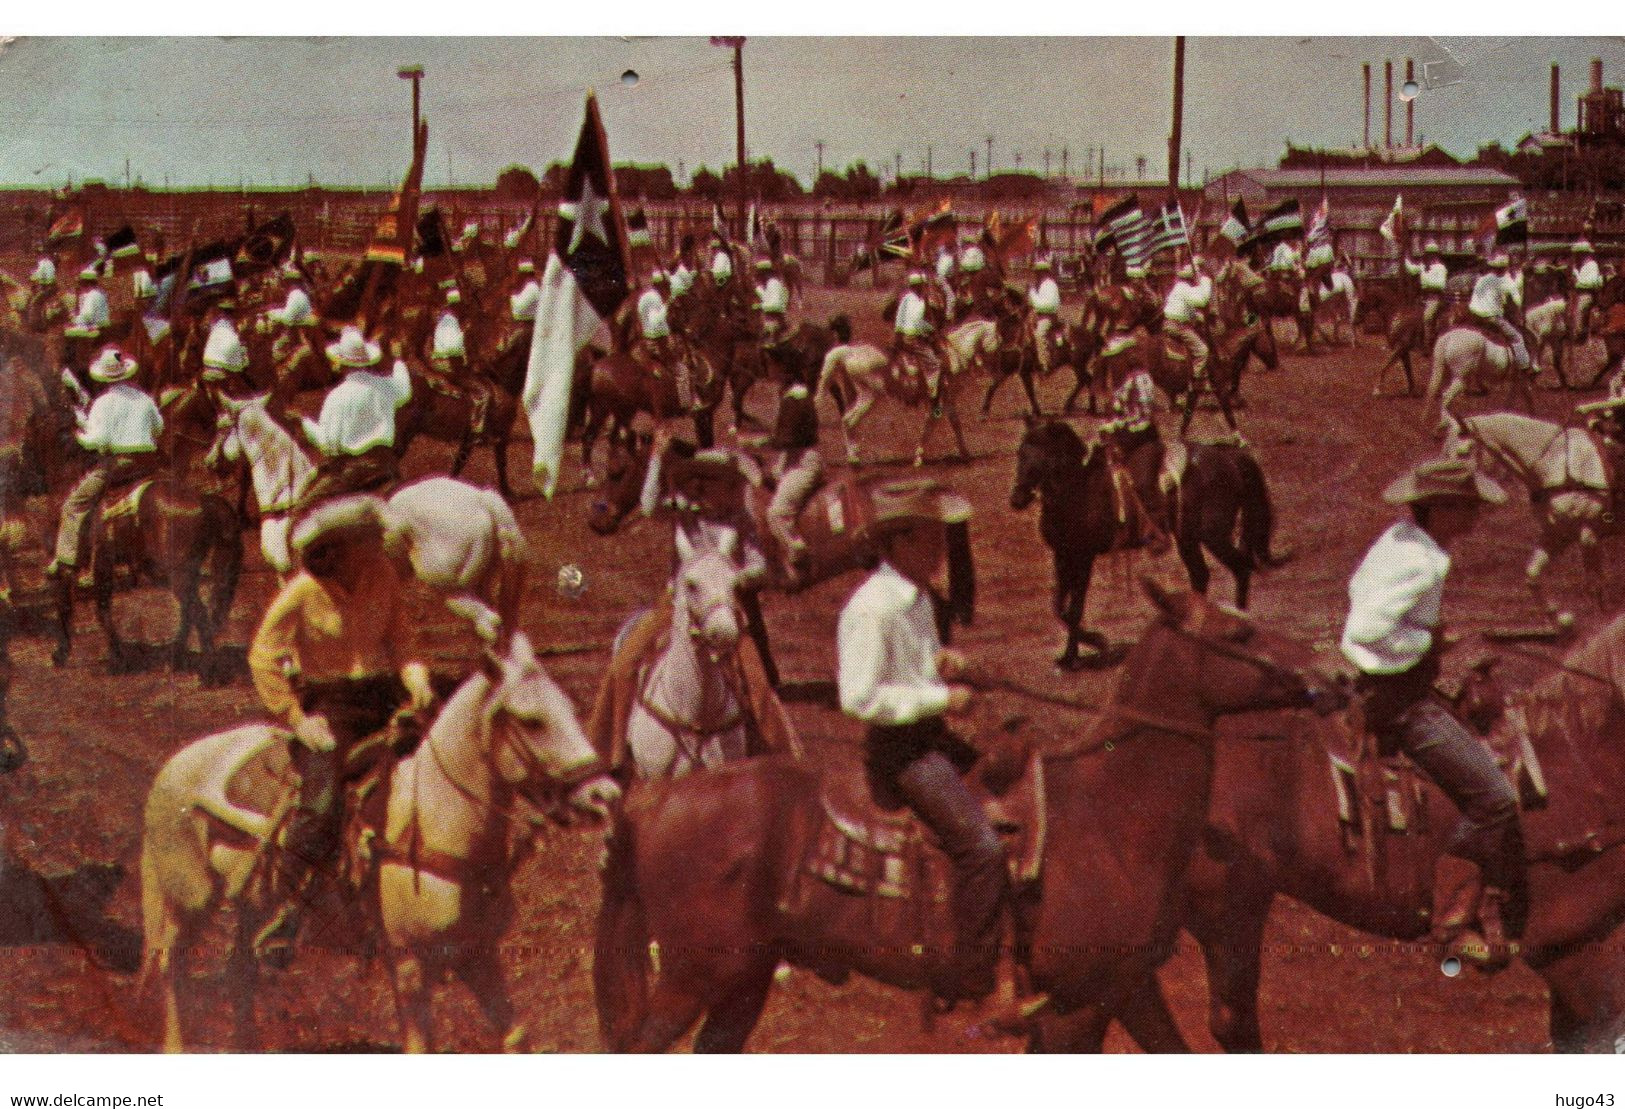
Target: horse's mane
[1575, 700]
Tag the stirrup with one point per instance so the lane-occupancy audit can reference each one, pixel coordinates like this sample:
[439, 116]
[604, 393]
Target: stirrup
[274, 943]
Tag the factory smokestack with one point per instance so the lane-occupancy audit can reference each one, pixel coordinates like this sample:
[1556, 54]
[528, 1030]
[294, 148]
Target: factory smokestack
[1366, 142]
[1387, 104]
[1596, 75]
[1557, 109]
[1410, 101]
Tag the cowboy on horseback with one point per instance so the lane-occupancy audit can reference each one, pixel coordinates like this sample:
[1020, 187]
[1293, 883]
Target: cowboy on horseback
[656, 348]
[121, 428]
[91, 317]
[294, 321]
[44, 307]
[224, 361]
[449, 369]
[898, 679]
[773, 302]
[1587, 287]
[523, 303]
[915, 349]
[356, 429]
[1393, 638]
[333, 659]
[1432, 278]
[1495, 304]
[1183, 313]
[1044, 310]
[799, 471]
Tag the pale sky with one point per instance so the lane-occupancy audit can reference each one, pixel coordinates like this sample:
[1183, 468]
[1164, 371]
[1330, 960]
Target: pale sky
[201, 111]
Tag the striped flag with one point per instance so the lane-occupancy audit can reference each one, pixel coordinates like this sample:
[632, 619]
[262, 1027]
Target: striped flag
[584, 283]
[1168, 231]
[1126, 228]
[1320, 227]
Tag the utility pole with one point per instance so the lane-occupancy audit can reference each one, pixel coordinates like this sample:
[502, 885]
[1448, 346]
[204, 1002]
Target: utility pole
[1063, 161]
[737, 43]
[1046, 161]
[819, 146]
[928, 174]
[1176, 138]
[414, 74]
[897, 161]
[1018, 161]
[990, 156]
[973, 165]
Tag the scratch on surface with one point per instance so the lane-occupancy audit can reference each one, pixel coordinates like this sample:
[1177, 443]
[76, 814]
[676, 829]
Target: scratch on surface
[1446, 70]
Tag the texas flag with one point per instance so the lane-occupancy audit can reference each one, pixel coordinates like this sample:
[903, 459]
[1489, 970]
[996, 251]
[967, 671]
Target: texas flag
[584, 283]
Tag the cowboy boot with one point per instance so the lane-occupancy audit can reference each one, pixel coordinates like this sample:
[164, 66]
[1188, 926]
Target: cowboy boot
[1458, 885]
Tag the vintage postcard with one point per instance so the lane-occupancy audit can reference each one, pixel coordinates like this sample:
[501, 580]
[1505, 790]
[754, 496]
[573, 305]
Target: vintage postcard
[812, 545]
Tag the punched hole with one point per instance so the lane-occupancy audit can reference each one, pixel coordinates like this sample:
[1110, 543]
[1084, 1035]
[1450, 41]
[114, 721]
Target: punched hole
[629, 78]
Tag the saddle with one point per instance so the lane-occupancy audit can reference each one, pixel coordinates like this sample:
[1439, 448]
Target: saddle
[891, 861]
[123, 500]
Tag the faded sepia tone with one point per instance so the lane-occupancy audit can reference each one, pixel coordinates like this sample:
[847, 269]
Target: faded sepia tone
[481, 570]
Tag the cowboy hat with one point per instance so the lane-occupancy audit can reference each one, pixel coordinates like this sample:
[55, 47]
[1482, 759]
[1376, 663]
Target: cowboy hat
[1431, 248]
[658, 277]
[1188, 269]
[295, 312]
[916, 278]
[112, 367]
[1041, 264]
[453, 296]
[1499, 262]
[1443, 477]
[900, 505]
[44, 273]
[353, 350]
[336, 518]
[1583, 247]
[527, 267]
[89, 273]
[291, 272]
[764, 263]
[224, 352]
[1135, 272]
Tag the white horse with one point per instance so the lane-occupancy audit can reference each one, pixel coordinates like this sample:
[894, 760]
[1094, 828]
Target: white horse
[461, 540]
[1465, 355]
[1562, 467]
[433, 889]
[688, 714]
[1339, 294]
[859, 371]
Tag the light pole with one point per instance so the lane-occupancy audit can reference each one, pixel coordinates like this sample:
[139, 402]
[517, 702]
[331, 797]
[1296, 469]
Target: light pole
[737, 43]
[414, 74]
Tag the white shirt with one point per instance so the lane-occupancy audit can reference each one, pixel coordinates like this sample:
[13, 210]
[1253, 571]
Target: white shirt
[1284, 258]
[1394, 601]
[971, 259]
[123, 420]
[1433, 278]
[448, 338]
[887, 644]
[359, 413]
[1589, 276]
[681, 280]
[296, 309]
[1135, 402]
[652, 315]
[722, 266]
[911, 319]
[93, 313]
[522, 304]
[774, 297]
[1046, 298]
[1186, 302]
[945, 265]
[1491, 294]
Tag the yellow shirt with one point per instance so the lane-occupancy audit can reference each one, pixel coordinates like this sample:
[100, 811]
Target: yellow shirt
[318, 631]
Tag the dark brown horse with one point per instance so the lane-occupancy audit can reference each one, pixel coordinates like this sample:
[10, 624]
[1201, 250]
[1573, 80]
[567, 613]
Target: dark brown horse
[172, 535]
[1406, 338]
[1079, 519]
[620, 387]
[1283, 298]
[705, 866]
[1274, 828]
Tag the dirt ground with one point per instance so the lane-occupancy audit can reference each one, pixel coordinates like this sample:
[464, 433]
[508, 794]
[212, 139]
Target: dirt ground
[1327, 448]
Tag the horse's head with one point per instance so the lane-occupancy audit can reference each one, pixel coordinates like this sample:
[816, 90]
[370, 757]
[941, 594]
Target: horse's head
[623, 484]
[537, 747]
[706, 600]
[840, 326]
[1047, 448]
[1227, 663]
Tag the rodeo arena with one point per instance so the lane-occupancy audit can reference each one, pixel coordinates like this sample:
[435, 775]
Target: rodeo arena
[588, 623]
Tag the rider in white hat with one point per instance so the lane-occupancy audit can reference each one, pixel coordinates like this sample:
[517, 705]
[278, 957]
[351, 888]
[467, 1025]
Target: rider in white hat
[1497, 303]
[1587, 285]
[1044, 302]
[914, 337]
[1432, 278]
[93, 314]
[772, 300]
[1183, 313]
[356, 430]
[449, 367]
[121, 428]
[522, 304]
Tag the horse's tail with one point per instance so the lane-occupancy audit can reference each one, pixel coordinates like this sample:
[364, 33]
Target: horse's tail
[620, 971]
[1257, 513]
[513, 555]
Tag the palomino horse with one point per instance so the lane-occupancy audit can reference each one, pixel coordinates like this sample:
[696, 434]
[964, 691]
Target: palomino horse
[688, 714]
[1273, 828]
[706, 866]
[165, 531]
[461, 540]
[430, 885]
[1466, 356]
[856, 374]
[1564, 471]
[1079, 518]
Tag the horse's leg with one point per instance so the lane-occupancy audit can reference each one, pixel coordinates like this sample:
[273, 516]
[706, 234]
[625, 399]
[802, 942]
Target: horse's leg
[952, 411]
[1231, 935]
[103, 575]
[499, 460]
[729, 1023]
[1591, 560]
[1080, 382]
[168, 940]
[183, 583]
[1554, 537]
[750, 603]
[1082, 1030]
[1587, 988]
[62, 591]
[987, 399]
[412, 1003]
[704, 427]
[482, 973]
[1190, 553]
[1146, 1018]
[1032, 393]
[1410, 377]
[242, 975]
[1072, 573]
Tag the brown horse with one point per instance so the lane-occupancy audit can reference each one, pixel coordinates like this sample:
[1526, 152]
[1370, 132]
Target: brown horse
[1406, 338]
[169, 537]
[1283, 298]
[1274, 828]
[705, 866]
[620, 387]
[439, 415]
